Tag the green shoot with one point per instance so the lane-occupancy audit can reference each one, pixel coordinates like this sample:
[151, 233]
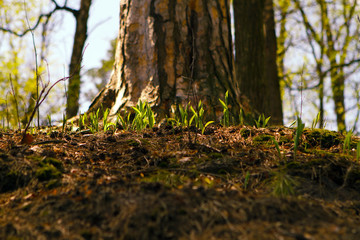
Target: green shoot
[49, 122]
[184, 115]
[347, 142]
[198, 117]
[226, 113]
[124, 121]
[277, 146]
[150, 116]
[358, 152]
[94, 121]
[143, 116]
[64, 120]
[246, 181]
[107, 125]
[315, 121]
[299, 131]
[241, 117]
[82, 121]
[283, 184]
[262, 121]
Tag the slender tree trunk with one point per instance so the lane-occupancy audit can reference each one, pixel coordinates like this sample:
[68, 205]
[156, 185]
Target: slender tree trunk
[72, 103]
[171, 52]
[273, 96]
[250, 51]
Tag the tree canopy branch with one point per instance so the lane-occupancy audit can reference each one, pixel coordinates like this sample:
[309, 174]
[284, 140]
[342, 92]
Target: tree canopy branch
[47, 16]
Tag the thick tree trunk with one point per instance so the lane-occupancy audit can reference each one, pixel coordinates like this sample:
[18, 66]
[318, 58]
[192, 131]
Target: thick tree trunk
[82, 15]
[171, 52]
[273, 95]
[250, 54]
[255, 57]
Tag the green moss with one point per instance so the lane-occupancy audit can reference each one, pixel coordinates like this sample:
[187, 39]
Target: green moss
[262, 139]
[52, 161]
[245, 133]
[323, 138]
[133, 143]
[47, 172]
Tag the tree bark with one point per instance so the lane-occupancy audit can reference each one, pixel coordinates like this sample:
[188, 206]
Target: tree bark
[172, 52]
[81, 16]
[249, 51]
[273, 95]
[255, 57]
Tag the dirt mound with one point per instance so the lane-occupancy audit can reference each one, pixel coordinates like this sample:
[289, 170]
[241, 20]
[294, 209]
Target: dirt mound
[170, 183]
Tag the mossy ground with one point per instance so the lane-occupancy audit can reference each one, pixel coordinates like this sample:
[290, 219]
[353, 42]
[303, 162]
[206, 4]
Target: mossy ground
[228, 183]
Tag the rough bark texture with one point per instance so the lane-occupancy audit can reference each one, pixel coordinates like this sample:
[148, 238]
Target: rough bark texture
[273, 95]
[171, 52]
[249, 55]
[255, 61]
[72, 103]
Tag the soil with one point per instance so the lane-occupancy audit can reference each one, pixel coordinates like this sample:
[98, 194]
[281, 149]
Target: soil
[175, 183]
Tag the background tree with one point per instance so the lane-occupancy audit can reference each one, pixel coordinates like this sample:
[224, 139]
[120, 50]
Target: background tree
[172, 52]
[16, 63]
[255, 57]
[81, 16]
[326, 46]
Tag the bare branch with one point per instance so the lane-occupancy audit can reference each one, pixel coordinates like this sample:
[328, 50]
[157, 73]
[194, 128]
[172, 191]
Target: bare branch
[47, 16]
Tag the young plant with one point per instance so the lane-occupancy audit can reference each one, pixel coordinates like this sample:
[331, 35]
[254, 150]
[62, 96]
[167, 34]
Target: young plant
[64, 120]
[226, 113]
[49, 121]
[143, 116]
[358, 152]
[184, 115]
[246, 181]
[283, 184]
[298, 134]
[241, 117]
[107, 125]
[94, 121]
[262, 121]
[315, 121]
[198, 117]
[124, 121]
[277, 147]
[347, 142]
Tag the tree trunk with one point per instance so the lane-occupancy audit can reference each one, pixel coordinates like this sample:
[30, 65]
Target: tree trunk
[81, 16]
[172, 52]
[255, 57]
[249, 54]
[273, 96]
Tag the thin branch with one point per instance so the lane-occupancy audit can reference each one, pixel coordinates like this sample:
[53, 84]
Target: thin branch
[43, 15]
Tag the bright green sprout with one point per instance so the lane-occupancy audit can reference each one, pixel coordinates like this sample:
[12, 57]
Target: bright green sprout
[299, 131]
[262, 122]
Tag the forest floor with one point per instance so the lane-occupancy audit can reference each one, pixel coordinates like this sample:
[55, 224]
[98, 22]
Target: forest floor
[228, 183]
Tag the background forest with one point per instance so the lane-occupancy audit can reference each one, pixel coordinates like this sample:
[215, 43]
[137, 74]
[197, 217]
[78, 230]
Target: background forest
[317, 60]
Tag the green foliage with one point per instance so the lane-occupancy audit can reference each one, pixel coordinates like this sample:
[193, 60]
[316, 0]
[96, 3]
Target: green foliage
[358, 152]
[198, 117]
[64, 120]
[246, 181]
[283, 184]
[124, 121]
[298, 134]
[315, 121]
[262, 121]
[107, 125]
[277, 147]
[226, 113]
[144, 116]
[347, 142]
[94, 121]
